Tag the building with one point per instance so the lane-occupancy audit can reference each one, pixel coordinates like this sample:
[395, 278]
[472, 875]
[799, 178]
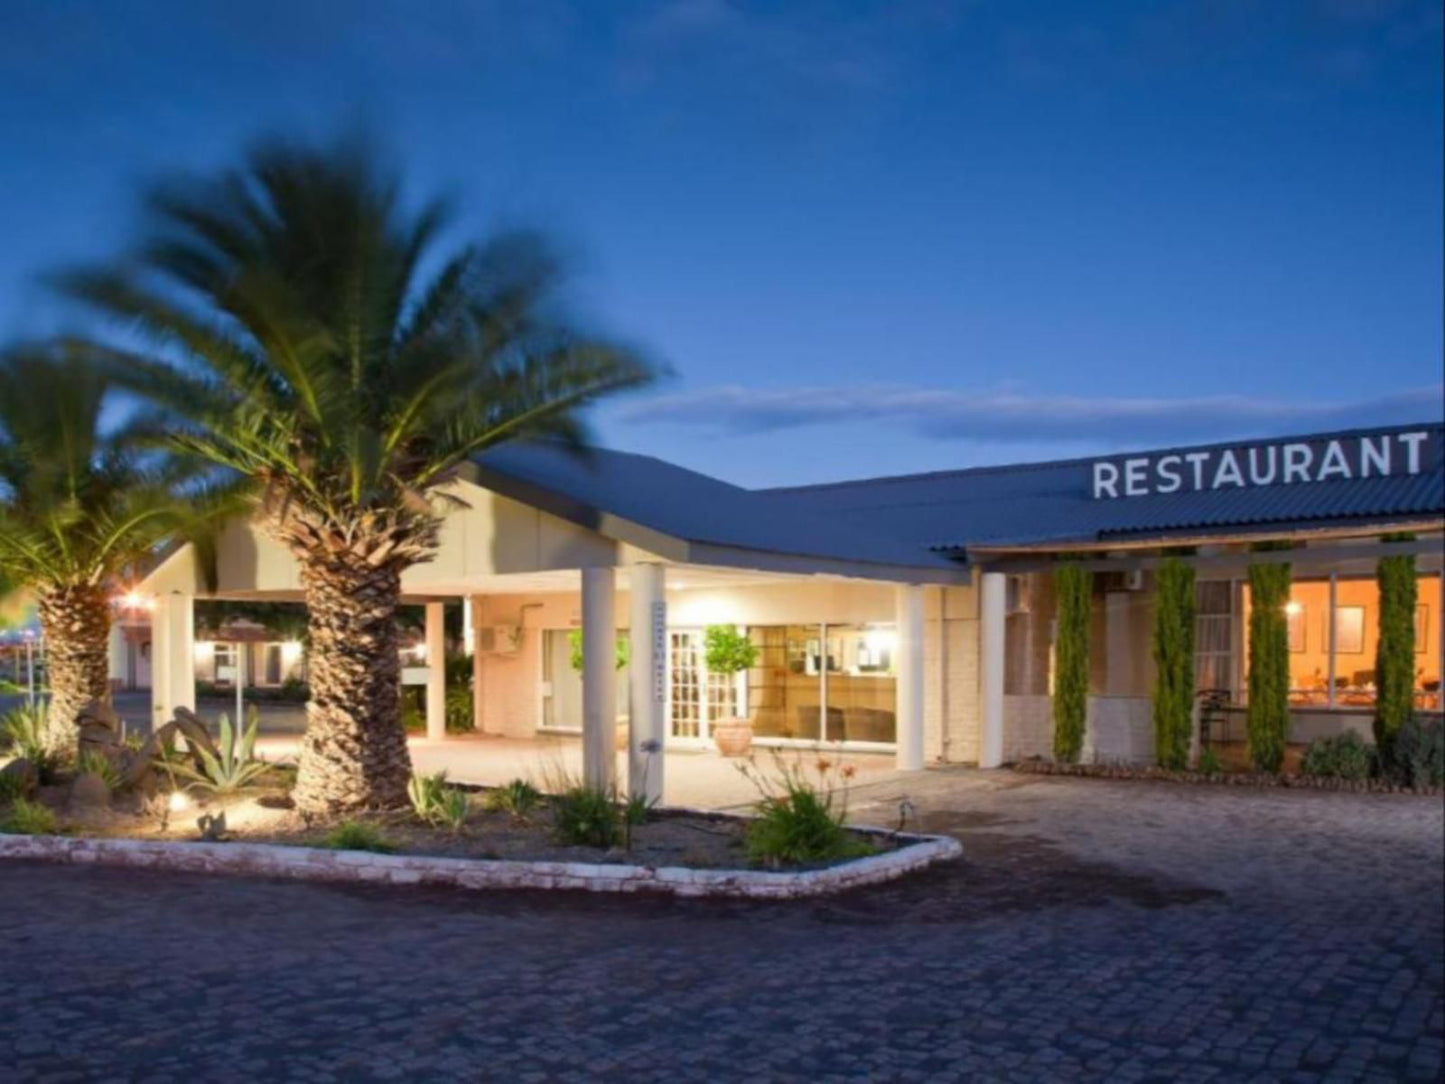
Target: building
[910, 614]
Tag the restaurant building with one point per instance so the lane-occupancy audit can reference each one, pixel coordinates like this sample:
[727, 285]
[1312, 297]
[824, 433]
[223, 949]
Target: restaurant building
[910, 615]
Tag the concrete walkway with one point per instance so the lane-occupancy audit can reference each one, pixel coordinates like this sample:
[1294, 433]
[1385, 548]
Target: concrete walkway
[699, 778]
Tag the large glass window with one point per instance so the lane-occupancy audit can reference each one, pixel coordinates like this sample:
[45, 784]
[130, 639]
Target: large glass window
[801, 668]
[1332, 652]
[1214, 636]
[784, 688]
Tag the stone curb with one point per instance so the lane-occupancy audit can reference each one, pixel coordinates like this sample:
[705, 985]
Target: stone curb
[317, 864]
[1242, 779]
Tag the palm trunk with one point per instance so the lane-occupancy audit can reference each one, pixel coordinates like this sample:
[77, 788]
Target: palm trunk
[354, 753]
[76, 621]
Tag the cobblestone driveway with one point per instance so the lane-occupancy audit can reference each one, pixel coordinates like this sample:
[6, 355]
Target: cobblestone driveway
[1096, 930]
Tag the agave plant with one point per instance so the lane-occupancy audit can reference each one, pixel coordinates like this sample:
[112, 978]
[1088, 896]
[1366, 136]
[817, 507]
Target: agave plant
[302, 326]
[28, 733]
[234, 767]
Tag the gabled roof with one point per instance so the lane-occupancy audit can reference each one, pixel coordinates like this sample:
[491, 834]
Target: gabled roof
[1042, 503]
[697, 509]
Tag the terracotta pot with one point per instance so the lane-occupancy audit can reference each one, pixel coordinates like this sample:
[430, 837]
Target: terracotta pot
[733, 737]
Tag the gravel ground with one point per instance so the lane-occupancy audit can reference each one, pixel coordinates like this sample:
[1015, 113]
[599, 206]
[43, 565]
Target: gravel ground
[1093, 931]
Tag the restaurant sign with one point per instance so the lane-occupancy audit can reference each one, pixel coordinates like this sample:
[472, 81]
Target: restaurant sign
[1366, 455]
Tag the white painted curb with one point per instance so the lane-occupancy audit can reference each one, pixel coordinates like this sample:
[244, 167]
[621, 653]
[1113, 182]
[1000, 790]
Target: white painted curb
[318, 864]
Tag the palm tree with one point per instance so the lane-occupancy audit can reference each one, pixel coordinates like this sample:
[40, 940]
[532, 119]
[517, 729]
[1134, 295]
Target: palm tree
[302, 322]
[80, 500]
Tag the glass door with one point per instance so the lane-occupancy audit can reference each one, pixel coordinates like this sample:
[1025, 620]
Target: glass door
[684, 661]
[698, 698]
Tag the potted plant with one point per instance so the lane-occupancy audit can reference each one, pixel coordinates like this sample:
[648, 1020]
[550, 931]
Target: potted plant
[624, 653]
[729, 652]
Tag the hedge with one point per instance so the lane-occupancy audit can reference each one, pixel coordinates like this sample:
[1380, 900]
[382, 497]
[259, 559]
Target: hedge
[1395, 649]
[1174, 607]
[1268, 715]
[1074, 586]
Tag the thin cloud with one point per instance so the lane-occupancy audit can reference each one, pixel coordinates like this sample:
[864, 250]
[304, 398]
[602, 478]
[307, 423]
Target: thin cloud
[1012, 416]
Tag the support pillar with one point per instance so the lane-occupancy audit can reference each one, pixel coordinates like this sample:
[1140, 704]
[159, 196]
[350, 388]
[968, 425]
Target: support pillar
[173, 656]
[992, 596]
[599, 678]
[474, 607]
[647, 678]
[436, 671]
[115, 650]
[908, 606]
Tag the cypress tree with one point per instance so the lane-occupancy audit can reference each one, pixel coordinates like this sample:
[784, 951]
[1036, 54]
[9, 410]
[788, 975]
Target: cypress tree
[1174, 607]
[1268, 715]
[1395, 648]
[1074, 586]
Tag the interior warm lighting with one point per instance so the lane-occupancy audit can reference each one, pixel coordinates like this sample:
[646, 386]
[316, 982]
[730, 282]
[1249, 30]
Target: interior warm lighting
[179, 801]
[1293, 609]
[880, 640]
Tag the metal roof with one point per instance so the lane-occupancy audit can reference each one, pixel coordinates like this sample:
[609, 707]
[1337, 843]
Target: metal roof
[684, 505]
[1041, 503]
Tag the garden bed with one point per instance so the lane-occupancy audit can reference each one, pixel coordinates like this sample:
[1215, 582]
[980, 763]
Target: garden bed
[1149, 773]
[682, 852]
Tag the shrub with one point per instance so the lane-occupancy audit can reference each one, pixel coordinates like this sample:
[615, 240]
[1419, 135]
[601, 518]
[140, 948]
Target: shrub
[1209, 762]
[1173, 662]
[97, 763]
[461, 714]
[1074, 586]
[587, 816]
[801, 820]
[236, 766]
[357, 836]
[27, 818]
[26, 731]
[413, 714]
[1267, 720]
[517, 798]
[1395, 649]
[574, 643]
[12, 786]
[425, 792]
[1343, 756]
[1417, 755]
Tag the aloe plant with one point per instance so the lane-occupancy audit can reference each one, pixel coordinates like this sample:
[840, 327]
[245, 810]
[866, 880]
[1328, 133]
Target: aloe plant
[234, 767]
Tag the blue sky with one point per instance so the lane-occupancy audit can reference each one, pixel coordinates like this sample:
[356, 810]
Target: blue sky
[868, 237]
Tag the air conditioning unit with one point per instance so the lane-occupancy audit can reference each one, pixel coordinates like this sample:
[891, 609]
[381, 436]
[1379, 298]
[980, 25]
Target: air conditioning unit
[1131, 580]
[499, 639]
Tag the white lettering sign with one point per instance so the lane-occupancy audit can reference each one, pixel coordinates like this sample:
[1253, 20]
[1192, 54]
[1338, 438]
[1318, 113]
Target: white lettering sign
[659, 652]
[1376, 455]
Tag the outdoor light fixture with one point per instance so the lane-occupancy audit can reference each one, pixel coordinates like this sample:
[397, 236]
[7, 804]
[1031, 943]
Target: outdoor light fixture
[205, 649]
[291, 651]
[178, 802]
[1293, 609]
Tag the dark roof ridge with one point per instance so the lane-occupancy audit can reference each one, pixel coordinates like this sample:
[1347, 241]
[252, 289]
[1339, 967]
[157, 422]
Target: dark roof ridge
[1048, 464]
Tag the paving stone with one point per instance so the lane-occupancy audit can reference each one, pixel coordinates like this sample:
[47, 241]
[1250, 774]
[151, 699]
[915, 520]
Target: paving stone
[1094, 931]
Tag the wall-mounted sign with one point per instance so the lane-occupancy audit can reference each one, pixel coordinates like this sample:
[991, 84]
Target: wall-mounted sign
[659, 652]
[1368, 455]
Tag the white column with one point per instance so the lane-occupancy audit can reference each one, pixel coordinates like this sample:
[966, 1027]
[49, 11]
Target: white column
[647, 677]
[173, 656]
[908, 616]
[116, 654]
[991, 658]
[469, 634]
[599, 677]
[474, 607]
[436, 671]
